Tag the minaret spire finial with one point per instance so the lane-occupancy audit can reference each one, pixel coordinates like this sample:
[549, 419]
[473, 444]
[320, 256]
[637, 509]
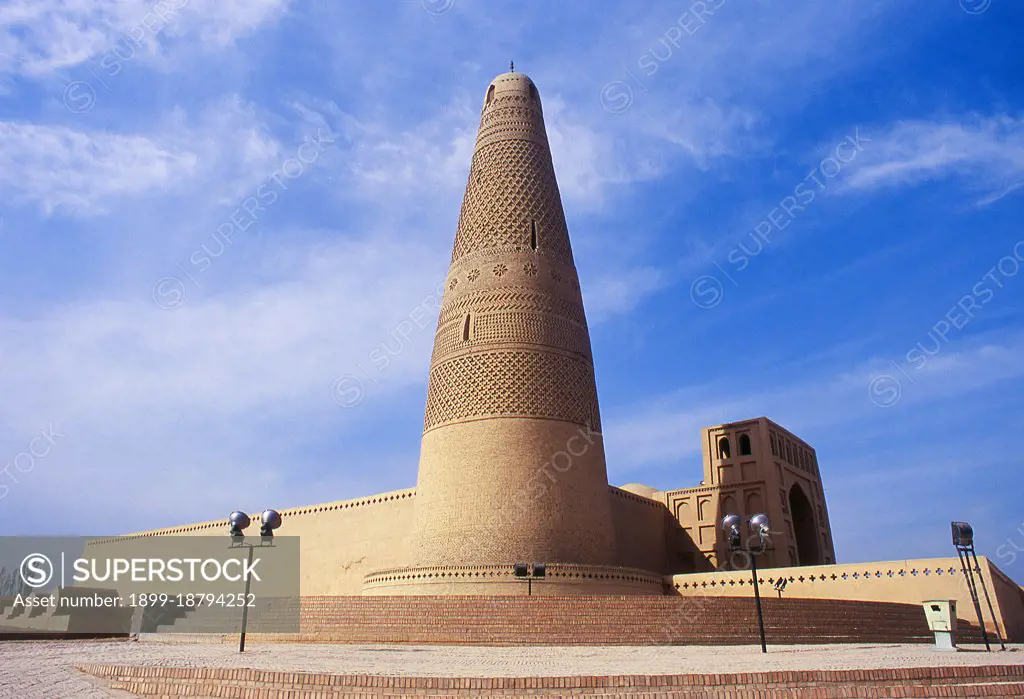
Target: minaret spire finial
[512, 66]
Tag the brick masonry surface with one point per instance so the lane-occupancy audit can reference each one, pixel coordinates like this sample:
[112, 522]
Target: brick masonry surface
[575, 620]
[603, 620]
[46, 670]
[992, 681]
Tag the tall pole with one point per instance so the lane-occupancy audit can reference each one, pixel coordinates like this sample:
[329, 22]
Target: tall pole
[757, 600]
[969, 577]
[988, 600]
[245, 604]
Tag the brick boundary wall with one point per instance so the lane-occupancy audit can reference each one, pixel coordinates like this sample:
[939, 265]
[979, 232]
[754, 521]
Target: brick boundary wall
[589, 620]
[989, 681]
[904, 581]
[610, 620]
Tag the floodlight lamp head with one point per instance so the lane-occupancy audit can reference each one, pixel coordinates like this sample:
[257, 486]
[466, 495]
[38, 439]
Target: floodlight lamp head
[730, 522]
[963, 535]
[759, 524]
[239, 521]
[731, 528]
[271, 520]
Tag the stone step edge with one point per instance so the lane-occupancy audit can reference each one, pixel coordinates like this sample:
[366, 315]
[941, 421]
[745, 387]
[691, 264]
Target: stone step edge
[988, 674]
[1003, 691]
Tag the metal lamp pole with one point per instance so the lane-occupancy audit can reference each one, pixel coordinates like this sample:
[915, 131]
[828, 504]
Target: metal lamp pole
[270, 520]
[757, 600]
[988, 600]
[963, 541]
[759, 525]
[245, 603]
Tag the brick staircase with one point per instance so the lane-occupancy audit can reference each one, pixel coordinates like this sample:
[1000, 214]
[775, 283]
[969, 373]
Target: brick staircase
[170, 682]
[575, 620]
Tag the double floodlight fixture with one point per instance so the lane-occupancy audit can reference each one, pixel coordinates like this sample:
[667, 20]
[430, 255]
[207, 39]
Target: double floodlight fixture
[527, 570]
[759, 526]
[269, 521]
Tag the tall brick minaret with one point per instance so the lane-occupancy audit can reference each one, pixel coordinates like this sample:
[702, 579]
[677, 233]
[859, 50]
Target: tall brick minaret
[512, 464]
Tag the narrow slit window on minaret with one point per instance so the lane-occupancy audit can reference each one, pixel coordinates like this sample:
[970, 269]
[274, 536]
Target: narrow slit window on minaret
[465, 330]
[490, 94]
[533, 235]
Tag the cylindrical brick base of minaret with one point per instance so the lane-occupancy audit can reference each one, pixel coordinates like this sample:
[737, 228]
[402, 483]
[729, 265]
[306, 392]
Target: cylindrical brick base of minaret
[542, 500]
[512, 465]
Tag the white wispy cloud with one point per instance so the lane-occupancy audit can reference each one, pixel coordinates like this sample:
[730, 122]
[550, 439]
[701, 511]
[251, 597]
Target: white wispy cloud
[985, 153]
[80, 171]
[85, 172]
[40, 37]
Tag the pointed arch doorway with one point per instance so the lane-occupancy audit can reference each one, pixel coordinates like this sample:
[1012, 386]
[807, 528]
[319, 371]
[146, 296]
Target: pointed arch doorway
[808, 551]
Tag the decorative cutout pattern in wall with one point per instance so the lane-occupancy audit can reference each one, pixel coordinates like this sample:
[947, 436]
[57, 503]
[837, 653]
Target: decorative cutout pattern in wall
[865, 575]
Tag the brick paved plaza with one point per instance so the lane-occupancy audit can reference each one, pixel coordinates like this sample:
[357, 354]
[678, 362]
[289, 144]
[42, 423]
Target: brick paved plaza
[44, 670]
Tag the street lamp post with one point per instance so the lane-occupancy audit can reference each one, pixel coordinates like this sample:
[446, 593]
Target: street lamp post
[269, 521]
[963, 541]
[761, 529]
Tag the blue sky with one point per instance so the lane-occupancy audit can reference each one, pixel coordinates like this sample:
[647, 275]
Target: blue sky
[214, 210]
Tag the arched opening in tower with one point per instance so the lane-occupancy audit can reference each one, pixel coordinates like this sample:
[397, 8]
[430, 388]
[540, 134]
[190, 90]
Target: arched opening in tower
[806, 531]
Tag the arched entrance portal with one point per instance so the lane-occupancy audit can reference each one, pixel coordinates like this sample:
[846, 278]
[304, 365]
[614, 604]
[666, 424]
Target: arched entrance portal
[807, 550]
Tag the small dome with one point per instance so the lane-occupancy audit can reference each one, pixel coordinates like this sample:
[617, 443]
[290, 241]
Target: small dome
[512, 83]
[644, 491]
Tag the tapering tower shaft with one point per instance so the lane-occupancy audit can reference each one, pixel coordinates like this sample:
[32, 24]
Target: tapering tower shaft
[512, 464]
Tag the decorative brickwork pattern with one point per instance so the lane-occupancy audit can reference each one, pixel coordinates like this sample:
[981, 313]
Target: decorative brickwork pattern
[512, 384]
[449, 338]
[533, 329]
[512, 327]
[511, 188]
[509, 118]
[514, 298]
